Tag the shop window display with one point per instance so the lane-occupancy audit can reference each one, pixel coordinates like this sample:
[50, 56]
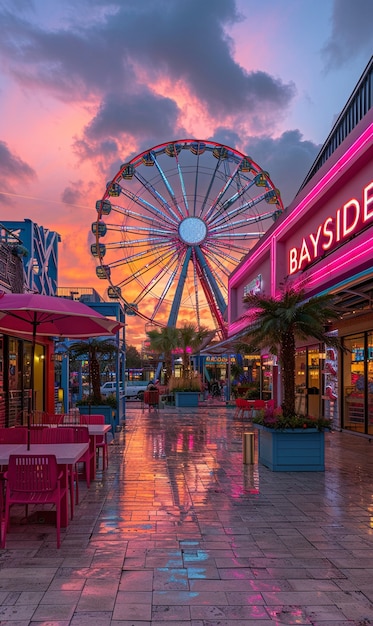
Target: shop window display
[357, 382]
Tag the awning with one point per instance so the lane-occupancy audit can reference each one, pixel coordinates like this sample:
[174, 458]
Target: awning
[227, 346]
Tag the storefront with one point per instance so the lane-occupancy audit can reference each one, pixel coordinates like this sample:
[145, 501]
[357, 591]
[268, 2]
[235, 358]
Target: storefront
[323, 243]
[15, 378]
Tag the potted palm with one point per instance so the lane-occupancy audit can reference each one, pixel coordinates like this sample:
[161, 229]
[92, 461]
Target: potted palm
[276, 324]
[96, 351]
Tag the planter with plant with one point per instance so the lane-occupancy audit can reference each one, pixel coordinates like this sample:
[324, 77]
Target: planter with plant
[96, 351]
[291, 443]
[186, 389]
[288, 441]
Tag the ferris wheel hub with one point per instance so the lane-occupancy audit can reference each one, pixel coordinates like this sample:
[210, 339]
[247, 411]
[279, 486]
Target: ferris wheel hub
[192, 231]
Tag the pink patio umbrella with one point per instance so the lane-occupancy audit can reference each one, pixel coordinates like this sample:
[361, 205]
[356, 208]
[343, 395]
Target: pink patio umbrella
[35, 315]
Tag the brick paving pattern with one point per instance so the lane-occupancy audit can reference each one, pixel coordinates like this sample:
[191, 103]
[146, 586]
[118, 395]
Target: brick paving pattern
[179, 532]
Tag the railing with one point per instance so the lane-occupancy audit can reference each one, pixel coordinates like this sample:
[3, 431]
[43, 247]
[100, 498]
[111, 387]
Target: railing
[14, 407]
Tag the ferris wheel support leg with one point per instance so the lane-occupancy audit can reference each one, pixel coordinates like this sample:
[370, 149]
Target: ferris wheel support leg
[179, 290]
[214, 286]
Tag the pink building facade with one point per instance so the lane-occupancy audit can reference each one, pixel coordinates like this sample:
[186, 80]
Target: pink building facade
[324, 240]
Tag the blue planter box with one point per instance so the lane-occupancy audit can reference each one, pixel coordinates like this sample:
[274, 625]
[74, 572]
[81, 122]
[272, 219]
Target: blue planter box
[186, 398]
[101, 409]
[299, 450]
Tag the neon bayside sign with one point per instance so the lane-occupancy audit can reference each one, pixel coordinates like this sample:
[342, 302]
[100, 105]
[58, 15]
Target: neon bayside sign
[348, 220]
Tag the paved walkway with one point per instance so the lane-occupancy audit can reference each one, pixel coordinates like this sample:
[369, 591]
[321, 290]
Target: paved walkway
[179, 532]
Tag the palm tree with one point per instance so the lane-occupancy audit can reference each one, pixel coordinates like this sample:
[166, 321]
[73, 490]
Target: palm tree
[95, 350]
[163, 342]
[191, 337]
[278, 322]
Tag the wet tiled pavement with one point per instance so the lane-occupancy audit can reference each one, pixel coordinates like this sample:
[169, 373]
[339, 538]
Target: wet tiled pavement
[178, 531]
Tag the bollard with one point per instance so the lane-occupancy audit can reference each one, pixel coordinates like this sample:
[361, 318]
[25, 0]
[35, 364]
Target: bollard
[248, 448]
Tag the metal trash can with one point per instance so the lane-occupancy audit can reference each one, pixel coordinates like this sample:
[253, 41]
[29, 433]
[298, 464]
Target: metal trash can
[248, 448]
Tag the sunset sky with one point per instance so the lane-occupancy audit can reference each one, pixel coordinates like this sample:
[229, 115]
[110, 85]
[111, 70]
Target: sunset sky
[87, 85]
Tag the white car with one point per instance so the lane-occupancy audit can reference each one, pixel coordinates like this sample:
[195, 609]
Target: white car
[110, 388]
[134, 389]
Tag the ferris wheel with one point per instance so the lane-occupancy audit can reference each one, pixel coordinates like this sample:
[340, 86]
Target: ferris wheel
[173, 224]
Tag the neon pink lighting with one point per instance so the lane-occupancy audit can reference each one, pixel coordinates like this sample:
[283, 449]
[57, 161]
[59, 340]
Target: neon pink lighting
[343, 260]
[319, 188]
[273, 264]
[349, 219]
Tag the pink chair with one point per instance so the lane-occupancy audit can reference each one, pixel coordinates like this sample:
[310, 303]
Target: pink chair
[63, 435]
[240, 407]
[13, 435]
[101, 440]
[258, 405]
[72, 419]
[36, 433]
[81, 435]
[54, 418]
[10, 435]
[247, 408]
[33, 479]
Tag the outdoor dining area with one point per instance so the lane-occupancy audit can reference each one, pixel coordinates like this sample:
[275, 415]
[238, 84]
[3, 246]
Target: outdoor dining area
[249, 408]
[42, 464]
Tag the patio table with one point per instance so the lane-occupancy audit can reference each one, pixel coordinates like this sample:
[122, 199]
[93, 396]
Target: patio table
[67, 454]
[96, 430]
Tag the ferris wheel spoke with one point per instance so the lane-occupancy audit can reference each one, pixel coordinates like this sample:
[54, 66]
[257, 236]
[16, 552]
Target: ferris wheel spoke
[142, 256]
[238, 210]
[235, 197]
[162, 272]
[137, 243]
[164, 293]
[168, 187]
[207, 195]
[235, 252]
[142, 203]
[152, 242]
[140, 230]
[222, 192]
[234, 224]
[182, 185]
[142, 271]
[217, 256]
[156, 195]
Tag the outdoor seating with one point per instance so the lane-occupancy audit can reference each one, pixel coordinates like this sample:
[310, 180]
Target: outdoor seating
[258, 405]
[243, 406]
[72, 419]
[63, 435]
[36, 433]
[53, 419]
[13, 435]
[81, 435]
[33, 479]
[239, 402]
[100, 440]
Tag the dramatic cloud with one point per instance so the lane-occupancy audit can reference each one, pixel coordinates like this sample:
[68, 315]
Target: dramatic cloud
[185, 41]
[351, 33]
[142, 115]
[13, 170]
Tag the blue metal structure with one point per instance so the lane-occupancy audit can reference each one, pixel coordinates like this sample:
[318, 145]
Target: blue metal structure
[39, 252]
